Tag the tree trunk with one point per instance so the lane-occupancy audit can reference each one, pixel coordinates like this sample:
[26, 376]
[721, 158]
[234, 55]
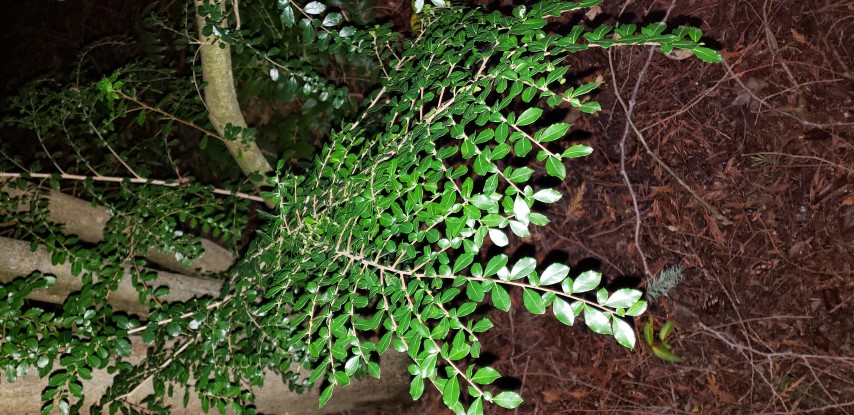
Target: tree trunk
[222, 105]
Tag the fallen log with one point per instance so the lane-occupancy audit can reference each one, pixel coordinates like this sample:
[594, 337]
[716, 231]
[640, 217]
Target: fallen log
[23, 396]
[79, 217]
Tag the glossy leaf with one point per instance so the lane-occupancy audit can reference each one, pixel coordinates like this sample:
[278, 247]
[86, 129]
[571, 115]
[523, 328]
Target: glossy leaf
[523, 268]
[500, 298]
[485, 376]
[563, 312]
[533, 302]
[507, 400]
[586, 281]
[314, 7]
[554, 274]
[623, 332]
[529, 116]
[596, 320]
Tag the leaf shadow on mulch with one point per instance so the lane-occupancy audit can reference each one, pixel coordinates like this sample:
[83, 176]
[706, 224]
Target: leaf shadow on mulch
[763, 313]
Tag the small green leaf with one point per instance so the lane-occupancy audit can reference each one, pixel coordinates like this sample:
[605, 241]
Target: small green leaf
[520, 175]
[578, 150]
[586, 281]
[314, 7]
[521, 210]
[623, 332]
[530, 116]
[332, 19]
[476, 407]
[75, 389]
[523, 268]
[325, 395]
[485, 376]
[498, 237]
[496, 263]
[554, 274]
[647, 332]
[654, 29]
[494, 221]
[451, 391]
[636, 309]
[547, 196]
[500, 298]
[287, 18]
[563, 311]
[707, 55]
[585, 89]
[666, 330]
[534, 303]
[501, 132]
[666, 355]
[596, 320]
[463, 261]
[416, 388]
[173, 328]
[553, 132]
[507, 400]
[57, 379]
[590, 107]
[555, 168]
[519, 228]
[474, 291]
[601, 296]
[428, 365]
[523, 147]
[623, 298]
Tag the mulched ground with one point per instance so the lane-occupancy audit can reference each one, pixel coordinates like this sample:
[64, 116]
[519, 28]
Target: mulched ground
[763, 314]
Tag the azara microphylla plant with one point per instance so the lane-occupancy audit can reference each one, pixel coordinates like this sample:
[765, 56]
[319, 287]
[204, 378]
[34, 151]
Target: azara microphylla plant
[380, 243]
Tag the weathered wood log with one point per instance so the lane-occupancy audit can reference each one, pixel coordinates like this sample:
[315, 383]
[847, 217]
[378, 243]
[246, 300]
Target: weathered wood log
[18, 260]
[22, 397]
[79, 217]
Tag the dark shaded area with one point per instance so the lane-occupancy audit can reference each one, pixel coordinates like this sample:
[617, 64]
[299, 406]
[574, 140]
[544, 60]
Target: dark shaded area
[43, 35]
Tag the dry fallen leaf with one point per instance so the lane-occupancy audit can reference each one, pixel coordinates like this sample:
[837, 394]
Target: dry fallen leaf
[552, 395]
[679, 54]
[593, 12]
[798, 37]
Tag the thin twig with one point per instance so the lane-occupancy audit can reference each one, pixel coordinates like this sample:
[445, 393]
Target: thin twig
[171, 117]
[116, 155]
[630, 124]
[629, 110]
[161, 367]
[797, 156]
[763, 102]
[112, 179]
